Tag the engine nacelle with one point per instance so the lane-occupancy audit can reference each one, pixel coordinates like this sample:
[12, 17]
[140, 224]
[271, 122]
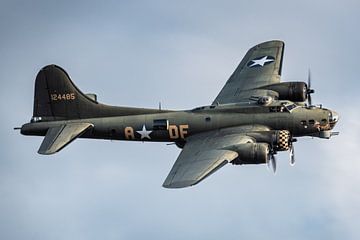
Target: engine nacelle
[251, 153]
[283, 139]
[279, 140]
[293, 91]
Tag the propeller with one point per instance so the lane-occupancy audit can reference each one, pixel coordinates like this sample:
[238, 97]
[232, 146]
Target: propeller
[271, 163]
[292, 155]
[271, 160]
[292, 151]
[309, 91]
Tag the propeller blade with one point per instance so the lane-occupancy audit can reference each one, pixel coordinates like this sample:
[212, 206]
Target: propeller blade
[271, 163]
[309, 91]
[292, 155]
[309, 99]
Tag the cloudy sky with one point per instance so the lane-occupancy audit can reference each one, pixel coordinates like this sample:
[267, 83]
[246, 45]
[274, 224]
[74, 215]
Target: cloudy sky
[181, 53]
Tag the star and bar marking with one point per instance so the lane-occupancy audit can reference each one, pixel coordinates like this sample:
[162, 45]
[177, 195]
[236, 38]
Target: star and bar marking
[260, 61]
[144, 133]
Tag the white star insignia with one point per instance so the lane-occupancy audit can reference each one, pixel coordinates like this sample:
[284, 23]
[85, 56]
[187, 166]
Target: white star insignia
[144, 133]
[261, 62]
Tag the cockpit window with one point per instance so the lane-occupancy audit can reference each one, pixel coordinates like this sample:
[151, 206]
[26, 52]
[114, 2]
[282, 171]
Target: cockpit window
[277, 109]
[198, 108]
[204, 108]
[290, 107]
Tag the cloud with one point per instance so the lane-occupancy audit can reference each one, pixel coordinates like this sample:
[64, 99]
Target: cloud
[341, 170]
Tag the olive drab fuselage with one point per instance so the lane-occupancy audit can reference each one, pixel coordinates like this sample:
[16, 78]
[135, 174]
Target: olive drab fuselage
[172, 126]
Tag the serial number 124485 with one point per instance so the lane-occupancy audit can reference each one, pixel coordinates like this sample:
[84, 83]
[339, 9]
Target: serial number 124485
[62, 97]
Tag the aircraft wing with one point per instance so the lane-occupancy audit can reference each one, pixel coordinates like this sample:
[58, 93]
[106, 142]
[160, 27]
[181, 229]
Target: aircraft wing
[205, 153]
[261, 66]
[58, 137]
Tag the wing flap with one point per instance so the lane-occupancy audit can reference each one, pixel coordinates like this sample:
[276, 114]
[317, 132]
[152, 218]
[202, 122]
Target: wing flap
[58, 137]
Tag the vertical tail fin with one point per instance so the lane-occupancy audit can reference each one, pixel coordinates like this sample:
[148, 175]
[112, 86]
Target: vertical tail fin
[57, 97]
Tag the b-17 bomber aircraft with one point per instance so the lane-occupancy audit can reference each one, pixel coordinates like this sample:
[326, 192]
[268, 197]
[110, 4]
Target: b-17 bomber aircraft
[253, 117]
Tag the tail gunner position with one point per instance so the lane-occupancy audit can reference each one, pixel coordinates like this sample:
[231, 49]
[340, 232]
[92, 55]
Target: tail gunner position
[253, 117]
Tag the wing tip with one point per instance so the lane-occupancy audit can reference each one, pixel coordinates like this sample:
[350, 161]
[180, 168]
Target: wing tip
[45, 152]
[270, 43]
[181, 184]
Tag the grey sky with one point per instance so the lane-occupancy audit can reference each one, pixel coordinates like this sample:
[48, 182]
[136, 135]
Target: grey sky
[181, 53]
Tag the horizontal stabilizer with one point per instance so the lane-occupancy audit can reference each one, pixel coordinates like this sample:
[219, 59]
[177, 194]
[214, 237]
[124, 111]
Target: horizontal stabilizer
[58, 137]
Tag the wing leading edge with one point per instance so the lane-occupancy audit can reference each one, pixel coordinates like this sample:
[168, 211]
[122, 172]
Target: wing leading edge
[261, 66]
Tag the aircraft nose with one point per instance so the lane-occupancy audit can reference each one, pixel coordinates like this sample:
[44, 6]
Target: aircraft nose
[333, 118]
